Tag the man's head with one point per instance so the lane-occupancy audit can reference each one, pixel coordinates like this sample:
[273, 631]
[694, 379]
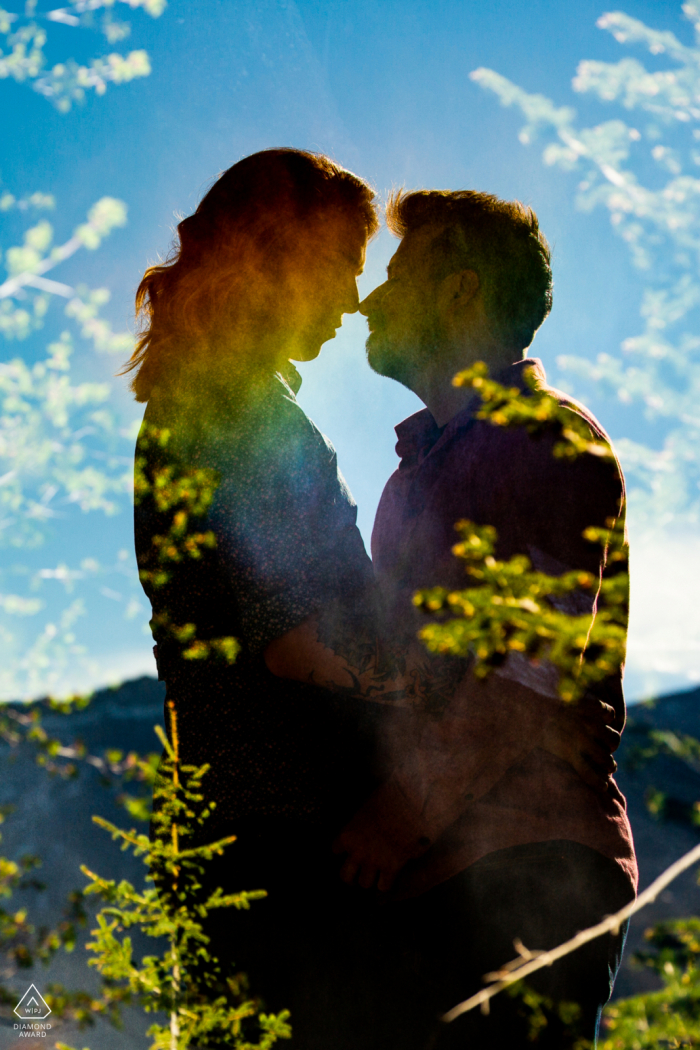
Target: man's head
[472, 271]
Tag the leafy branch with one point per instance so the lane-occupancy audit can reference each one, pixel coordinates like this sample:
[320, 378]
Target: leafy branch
[669, 1017]
[535, 410]
[66, 82]
[180, 496]
[510, 607]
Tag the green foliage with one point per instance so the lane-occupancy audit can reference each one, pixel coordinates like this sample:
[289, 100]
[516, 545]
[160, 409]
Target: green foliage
[647, 744]
[536, 410]
[21, 943]
[542, 1013]
[22, 724]
[205, 1006]
[67, 82]
[512, 608]
[180, 495]
[669, 1018]
[665, 742]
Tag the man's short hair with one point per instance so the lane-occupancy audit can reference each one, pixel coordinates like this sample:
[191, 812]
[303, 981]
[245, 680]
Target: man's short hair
[500, 240]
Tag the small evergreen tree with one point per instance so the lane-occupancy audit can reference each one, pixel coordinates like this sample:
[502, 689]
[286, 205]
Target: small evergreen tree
[205, 1006]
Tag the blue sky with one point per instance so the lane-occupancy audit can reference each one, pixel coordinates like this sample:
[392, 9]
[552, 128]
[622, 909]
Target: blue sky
[383, 87]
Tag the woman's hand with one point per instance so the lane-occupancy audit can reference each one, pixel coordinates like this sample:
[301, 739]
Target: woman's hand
[379, 840]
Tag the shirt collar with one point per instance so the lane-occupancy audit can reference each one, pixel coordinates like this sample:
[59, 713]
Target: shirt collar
[419, 434]
[289, 373]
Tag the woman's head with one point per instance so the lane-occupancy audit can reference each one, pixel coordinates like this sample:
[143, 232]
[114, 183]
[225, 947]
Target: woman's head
[265, 266]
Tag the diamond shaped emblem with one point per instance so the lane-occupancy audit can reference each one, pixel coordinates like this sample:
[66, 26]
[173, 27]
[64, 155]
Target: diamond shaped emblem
[32, 1006]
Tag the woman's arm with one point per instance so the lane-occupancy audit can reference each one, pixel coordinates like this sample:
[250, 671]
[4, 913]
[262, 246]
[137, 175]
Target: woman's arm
[345, 653]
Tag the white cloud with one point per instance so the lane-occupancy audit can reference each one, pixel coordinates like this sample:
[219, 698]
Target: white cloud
[101, 670]
[663, 653]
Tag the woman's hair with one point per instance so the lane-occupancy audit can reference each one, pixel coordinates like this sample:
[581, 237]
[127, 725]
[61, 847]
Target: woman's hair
[233, 250]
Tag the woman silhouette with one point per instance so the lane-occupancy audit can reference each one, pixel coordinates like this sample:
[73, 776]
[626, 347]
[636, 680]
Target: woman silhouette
[245, 528]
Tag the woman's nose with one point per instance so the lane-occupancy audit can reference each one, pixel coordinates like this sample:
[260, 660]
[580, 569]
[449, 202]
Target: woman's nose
[352, 299]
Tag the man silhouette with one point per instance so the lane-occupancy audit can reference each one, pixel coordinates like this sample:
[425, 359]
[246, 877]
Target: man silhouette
[538, 854]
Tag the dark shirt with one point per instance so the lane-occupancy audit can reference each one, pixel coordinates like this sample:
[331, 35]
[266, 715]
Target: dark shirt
[286, 545]
[540, 506]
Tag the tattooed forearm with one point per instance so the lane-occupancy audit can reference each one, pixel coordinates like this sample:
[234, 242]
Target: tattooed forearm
[352, 633]
[380, 669]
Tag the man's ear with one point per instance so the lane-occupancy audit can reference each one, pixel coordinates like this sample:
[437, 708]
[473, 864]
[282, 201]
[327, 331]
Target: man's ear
[458, 289]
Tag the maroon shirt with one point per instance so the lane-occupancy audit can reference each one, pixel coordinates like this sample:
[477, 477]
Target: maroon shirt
[475, 779]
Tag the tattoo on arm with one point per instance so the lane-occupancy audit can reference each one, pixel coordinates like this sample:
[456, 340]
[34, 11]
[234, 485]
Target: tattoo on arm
[383, 670]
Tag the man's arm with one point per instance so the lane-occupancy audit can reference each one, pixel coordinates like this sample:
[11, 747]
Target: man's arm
[457, 758]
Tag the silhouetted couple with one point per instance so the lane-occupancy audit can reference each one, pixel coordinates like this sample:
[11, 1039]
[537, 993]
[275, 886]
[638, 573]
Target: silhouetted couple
[408, 820]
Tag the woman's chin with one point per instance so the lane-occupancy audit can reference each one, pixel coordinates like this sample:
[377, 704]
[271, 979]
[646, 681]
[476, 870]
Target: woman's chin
[311, 348]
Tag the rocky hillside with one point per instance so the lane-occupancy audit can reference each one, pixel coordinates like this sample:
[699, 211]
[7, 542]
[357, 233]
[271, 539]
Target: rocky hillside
[663, 838]
[52, 818]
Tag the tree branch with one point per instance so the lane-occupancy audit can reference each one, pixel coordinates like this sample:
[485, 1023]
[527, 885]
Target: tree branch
[530, 961]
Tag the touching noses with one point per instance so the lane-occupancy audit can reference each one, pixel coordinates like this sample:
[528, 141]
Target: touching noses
[347, 298]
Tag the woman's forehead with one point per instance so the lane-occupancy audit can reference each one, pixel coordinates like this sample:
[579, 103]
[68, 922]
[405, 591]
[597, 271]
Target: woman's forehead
[338, 233]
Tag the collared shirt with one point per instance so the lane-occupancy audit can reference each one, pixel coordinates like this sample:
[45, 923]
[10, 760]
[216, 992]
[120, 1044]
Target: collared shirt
[540, 506]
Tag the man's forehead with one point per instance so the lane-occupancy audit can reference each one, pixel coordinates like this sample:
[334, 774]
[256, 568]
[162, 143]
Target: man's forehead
[415, 245]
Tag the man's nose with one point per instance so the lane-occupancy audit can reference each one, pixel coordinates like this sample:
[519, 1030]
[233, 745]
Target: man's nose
[372, 300]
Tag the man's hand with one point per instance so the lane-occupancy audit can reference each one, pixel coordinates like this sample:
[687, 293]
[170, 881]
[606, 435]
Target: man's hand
[582, 734]
[382, 836]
